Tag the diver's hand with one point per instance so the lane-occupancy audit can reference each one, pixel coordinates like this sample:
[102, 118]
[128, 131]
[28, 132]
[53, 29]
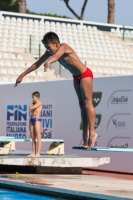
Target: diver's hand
[19, 80]
[46, 66]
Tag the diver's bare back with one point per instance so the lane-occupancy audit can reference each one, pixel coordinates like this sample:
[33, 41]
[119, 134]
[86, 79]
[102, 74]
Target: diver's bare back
[36, 113]
[71, 61]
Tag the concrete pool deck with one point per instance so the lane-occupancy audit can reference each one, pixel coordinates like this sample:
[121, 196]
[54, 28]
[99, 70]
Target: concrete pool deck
[93, 185]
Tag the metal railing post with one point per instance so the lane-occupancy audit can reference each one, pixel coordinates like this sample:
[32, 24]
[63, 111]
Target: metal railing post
[60, 70]
[30, 45]
[39, 50]
[123, 32]
[85, 62]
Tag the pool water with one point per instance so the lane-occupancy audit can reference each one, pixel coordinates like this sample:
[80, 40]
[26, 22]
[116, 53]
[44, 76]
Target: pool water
[15, 195]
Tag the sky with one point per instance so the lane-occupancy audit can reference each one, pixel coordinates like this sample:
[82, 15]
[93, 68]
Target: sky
[96, 10]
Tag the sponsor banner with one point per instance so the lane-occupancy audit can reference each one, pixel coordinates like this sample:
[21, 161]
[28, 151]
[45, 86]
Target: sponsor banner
[47, 120]
[118, 121]
[112, 99]
[97, 122]
[16, 120]
[119, 97]
[96, 98]
[119, 142]
[119, 100]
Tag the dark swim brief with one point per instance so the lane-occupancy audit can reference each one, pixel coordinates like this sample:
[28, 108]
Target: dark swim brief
[87, 73]
[33, 120]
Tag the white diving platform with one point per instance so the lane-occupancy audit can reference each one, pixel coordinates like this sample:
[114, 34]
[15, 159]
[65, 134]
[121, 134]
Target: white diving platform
[8, 143]
[104, 149]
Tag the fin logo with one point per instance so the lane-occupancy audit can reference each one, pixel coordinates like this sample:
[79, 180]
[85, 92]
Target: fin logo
[96, 98]
[97, 122]
[16, 112]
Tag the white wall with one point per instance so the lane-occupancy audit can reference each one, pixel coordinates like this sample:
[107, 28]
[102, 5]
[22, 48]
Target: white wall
[114, 129]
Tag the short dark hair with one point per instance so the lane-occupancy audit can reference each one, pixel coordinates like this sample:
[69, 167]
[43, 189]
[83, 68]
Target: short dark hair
[36, 94]
[50, 37]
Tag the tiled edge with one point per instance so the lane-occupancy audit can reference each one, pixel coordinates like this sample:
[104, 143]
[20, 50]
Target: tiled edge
[60, 190]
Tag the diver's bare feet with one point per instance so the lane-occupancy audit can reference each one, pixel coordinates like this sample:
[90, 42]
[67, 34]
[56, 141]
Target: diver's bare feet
[84, 146]
[92, 140]
[31, 155]
[36, 155]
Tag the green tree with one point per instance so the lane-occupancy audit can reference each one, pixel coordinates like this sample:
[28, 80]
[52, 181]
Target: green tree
[9, 5]
[46, 14]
